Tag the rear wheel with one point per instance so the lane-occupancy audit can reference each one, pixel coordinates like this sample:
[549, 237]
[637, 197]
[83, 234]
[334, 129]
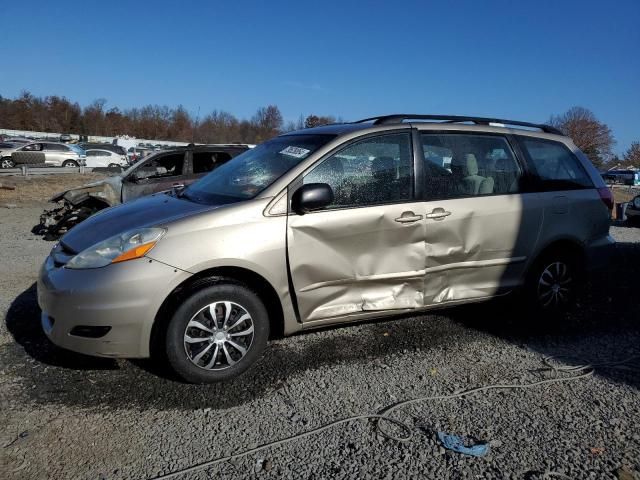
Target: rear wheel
[217, 333]
[70, 164]
[553, 283]
[6, 162]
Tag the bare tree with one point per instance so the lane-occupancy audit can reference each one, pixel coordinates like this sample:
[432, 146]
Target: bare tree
[589, 134]
[632, 156]
[268, 122]
[315, 121]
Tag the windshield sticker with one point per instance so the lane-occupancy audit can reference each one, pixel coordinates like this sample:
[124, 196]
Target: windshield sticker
[295, 152]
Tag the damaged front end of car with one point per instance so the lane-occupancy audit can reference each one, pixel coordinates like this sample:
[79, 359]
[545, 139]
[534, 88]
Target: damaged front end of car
[77, 204]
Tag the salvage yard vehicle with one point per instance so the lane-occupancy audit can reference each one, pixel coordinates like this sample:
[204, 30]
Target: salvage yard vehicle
[166, 170]
[333, 224]
[633, 212]
[105, 158]
[52, 154]
[103, 146]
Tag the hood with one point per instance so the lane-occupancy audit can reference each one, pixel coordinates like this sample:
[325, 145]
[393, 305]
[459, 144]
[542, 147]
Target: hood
[158, 209]
[108, 190]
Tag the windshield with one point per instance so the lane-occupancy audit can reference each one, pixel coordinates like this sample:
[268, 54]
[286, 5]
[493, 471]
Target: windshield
[250, 173]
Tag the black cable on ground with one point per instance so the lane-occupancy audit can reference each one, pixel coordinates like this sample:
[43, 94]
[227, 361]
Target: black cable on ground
[384, 414]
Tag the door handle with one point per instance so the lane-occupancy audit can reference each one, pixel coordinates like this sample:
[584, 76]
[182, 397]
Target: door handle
[178, 185]
[438, 214]
[408, 217]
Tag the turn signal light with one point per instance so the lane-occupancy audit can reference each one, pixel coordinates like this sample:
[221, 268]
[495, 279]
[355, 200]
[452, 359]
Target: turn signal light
[136, 252]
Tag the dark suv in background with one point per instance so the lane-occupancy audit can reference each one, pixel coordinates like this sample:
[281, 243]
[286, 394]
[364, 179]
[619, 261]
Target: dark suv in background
[165, 170]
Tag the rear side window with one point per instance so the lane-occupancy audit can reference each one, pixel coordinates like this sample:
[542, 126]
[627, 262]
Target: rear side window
[204, 162]
[467, 165]
[554, 165]
[374, 171]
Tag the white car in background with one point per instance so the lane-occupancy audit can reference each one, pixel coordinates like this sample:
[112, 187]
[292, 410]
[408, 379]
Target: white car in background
[105, 158]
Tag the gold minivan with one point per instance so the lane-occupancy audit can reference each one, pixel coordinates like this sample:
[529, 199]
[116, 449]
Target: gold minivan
[327, 225]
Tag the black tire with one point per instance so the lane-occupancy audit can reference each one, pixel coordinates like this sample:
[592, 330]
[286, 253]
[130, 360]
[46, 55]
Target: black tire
[552, 284]
[7, 162]
[229, 362]
[28, 158]
[70, 164]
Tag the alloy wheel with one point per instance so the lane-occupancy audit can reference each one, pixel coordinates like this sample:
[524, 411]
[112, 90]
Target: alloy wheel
[554, 285]
[7, 163]
[219, 335]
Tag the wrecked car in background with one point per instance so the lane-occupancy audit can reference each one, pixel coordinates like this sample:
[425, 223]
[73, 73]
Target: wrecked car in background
[166, 170]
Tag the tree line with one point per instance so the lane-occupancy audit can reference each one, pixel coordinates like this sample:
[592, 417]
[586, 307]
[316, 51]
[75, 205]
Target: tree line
[59, 114]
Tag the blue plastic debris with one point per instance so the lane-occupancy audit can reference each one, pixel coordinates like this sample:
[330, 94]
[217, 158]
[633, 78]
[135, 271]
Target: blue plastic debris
[455, 443]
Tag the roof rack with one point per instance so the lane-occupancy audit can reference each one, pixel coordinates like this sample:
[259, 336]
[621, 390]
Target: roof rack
[399, 118]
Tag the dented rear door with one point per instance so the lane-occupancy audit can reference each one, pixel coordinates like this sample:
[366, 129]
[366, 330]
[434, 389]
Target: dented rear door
[365, 252]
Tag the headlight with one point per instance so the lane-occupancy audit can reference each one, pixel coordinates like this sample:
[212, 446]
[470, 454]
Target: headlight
[119, 248]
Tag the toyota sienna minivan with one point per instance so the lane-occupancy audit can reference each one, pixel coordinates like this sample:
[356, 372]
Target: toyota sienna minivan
[327, 225]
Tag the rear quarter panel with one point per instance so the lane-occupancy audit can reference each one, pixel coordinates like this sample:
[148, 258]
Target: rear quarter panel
[576, 215]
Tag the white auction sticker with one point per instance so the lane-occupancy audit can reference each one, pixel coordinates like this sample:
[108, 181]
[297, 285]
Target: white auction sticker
[296, 152]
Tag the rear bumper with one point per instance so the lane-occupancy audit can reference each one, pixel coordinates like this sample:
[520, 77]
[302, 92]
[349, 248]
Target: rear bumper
[598, 254]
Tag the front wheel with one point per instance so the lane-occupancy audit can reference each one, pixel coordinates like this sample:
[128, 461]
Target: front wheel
[70, 164]
[217, 333]
[7, 163]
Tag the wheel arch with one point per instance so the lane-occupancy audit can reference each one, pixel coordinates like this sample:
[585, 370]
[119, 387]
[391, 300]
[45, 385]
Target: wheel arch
[254, 281]
[568, 245]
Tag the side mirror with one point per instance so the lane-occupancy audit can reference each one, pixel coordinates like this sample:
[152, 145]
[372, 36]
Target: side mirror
[312, 196]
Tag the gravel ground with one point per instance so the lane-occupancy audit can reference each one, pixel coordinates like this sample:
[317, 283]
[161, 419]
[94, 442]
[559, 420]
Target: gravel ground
[68, 416]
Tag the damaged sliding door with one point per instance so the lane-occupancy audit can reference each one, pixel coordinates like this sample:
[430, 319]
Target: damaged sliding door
[365, 251]
[481, 220]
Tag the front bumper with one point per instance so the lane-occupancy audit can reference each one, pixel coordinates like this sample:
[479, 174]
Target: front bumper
[124, 296]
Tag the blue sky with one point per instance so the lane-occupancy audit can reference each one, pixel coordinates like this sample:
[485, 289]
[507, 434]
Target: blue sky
[520, 60]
